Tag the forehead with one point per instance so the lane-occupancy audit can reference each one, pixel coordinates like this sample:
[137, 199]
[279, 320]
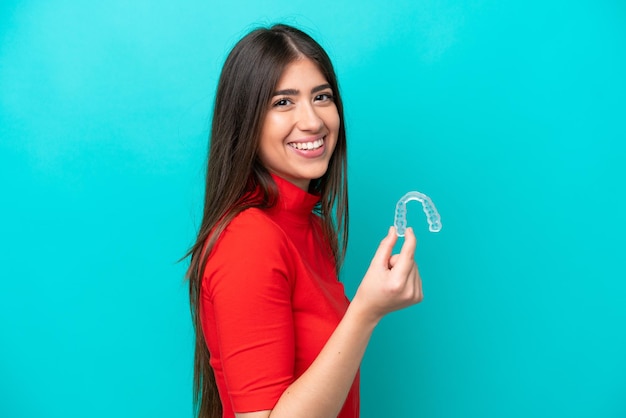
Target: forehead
[302, 71]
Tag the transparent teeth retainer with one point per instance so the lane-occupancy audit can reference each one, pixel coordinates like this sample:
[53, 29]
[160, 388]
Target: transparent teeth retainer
[432, 216]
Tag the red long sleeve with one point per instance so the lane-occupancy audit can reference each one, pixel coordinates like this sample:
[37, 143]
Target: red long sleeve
[270, 300]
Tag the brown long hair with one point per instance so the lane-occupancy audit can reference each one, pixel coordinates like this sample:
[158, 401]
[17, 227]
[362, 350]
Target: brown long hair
[249, 76]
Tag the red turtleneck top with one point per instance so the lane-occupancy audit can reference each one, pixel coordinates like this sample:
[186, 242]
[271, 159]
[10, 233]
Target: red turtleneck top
[270, 299]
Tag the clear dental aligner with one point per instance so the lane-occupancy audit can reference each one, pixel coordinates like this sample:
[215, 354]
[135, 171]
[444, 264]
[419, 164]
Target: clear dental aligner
[432, 216]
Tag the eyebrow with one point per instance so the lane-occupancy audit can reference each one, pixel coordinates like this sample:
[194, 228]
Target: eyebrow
[294, 92]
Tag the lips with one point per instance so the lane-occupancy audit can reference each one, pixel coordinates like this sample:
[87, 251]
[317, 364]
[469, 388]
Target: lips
[309, 149]
[307, 146]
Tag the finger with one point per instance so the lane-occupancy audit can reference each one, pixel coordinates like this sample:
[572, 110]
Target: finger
[410, 243]
[405, 260]
[393, 260]
[420, 294]
[383, 253]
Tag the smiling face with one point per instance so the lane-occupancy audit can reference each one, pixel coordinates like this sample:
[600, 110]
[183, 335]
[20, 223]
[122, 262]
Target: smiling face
[301, 126]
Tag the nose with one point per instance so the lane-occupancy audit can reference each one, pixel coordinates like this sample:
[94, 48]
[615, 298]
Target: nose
[308, 118]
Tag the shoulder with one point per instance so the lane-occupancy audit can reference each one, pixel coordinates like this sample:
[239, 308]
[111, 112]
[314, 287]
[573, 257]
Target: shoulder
[251, 228]
[252, 253]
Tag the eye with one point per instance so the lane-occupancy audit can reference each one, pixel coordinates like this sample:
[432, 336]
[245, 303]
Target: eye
[324, 97]
[281, 102]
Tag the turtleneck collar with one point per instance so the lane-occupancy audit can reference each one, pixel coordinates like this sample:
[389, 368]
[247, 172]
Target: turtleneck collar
[293, 202]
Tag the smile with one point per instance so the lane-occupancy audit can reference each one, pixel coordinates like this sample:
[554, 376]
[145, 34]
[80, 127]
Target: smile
[313, 145]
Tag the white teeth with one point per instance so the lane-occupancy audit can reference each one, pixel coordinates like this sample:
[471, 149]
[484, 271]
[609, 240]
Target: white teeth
[307, 145]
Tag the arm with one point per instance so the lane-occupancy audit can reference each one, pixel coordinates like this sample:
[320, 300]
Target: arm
[391, 283]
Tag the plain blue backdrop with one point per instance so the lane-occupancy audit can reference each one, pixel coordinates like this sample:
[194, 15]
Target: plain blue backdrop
[511, 116]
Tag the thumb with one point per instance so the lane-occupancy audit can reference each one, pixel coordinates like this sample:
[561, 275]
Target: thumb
[405, 260]
[393, 260]
[383, 253]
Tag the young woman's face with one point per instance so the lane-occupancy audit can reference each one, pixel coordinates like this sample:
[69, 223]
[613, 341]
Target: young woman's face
[300, 130]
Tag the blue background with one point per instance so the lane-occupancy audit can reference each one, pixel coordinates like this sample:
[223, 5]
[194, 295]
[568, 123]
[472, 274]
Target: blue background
[509, 115]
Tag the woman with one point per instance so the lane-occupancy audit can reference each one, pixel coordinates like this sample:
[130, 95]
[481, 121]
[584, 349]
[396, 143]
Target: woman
[275, 334]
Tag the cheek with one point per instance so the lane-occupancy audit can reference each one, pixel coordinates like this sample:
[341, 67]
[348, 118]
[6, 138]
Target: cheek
[334, 124]
[272, 133]
[332, 121]
[335, 127]
[275, 123]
